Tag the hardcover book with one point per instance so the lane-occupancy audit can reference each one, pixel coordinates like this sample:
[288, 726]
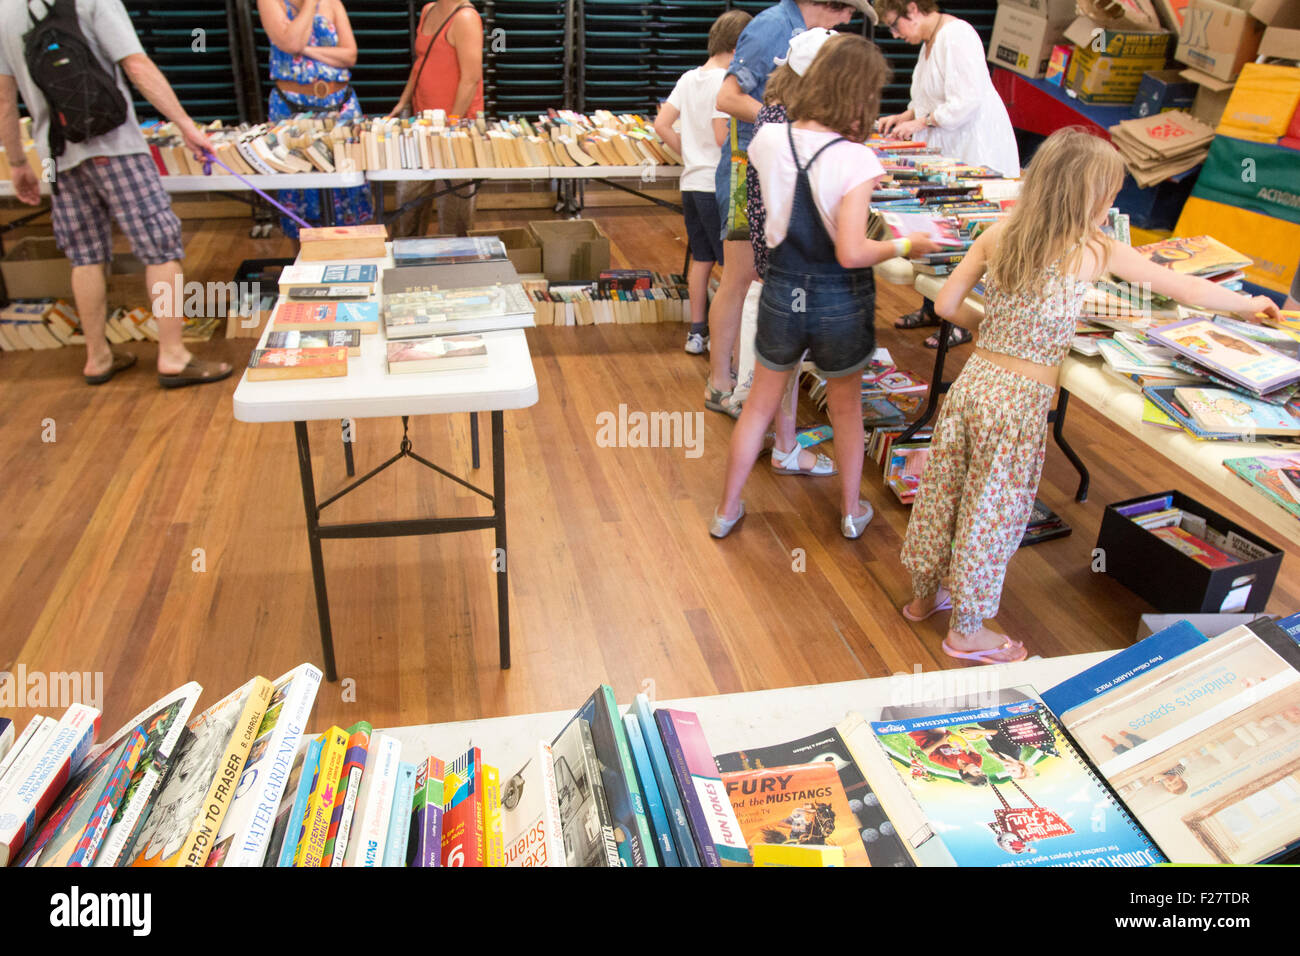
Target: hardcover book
[530, 805]
[584, 815]
[1220, 410]
[425, 842]
[423, 312]
[801, 805]
[183, 824]
[1002, 786]
[713, 821]
[246, 831]
[437, 353]
[349, 339]
[447, 251]
[1228, 354]
[275, 365]
[876, 833]
[1200, 738]
[1267, 473]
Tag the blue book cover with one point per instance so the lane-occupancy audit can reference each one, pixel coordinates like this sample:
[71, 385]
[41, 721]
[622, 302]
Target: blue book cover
[307, 777]
[356, 311]
[399, 823]
[659, 828]
[663, 772]
[345, 274]
[1291, 625]
[1003, 786]
[686, 790]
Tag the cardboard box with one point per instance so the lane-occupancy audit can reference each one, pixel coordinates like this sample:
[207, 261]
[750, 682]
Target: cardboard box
[1212, 95]
[1172, 581]
[34, 268]
[1218, 37]
[521, 246]
[1089, 34]
[1022, 40]
[571, 249]
[1211, 625]
[1281, 37]
[1121, 14]
[1056, 12]
[1162, 90]
[1097, 78]
[1171, 13]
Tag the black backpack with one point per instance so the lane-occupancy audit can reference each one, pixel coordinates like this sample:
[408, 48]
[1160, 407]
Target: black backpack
[83, 97]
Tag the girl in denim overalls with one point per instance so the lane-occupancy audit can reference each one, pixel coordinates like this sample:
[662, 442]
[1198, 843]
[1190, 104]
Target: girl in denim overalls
[819, 294]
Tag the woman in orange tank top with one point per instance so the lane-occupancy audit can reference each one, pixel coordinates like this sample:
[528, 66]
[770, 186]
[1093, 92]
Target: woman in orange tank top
[447, 75]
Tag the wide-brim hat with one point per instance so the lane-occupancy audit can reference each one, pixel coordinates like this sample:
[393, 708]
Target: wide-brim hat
[865, 8]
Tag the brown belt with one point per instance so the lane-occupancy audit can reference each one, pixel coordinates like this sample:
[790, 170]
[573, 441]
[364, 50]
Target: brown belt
[320, 89]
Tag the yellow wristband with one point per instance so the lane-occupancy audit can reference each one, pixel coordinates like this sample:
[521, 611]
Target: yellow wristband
[903, 247]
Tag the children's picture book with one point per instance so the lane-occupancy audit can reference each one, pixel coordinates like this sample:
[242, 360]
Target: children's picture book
[530, 806]
[326, 316]
[1221, 410]
[1164, 399]
[1267, 473]
[278, 365]
[713, 821]
[349, 339]
[1003, 786]
[584, 816]
[940, 230]
[1229, 354]
[1196, 548]
[814, 435]
[183, 824]
[419, 313]
[1200, 738]
[245, 834]
[1195, 255]
[437, 354]
[898, 381]
[424, 845]
[447, 251]
[799, 805]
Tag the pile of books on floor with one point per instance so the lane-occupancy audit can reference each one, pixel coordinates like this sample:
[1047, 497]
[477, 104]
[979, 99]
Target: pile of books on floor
[1161, 145]
[319, 143]
[240, 784]
[1189, 533]
[53, 324]
[1044, 524]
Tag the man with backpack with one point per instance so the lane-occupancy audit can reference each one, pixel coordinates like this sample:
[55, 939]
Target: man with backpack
[63, 57]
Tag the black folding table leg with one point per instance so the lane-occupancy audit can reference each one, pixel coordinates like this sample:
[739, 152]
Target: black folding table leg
[499, 512]
[313, 542]
[473, 437]
[1058, 433]
[937, 385]
[347, 447]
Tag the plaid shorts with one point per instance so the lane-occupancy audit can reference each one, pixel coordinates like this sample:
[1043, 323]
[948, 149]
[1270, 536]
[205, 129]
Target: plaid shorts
[128, 189]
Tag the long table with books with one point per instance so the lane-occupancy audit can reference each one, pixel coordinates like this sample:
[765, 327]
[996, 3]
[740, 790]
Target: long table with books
[493, 373]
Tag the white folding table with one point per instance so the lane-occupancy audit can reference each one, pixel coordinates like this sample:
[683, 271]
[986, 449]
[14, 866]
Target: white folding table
[369, 391]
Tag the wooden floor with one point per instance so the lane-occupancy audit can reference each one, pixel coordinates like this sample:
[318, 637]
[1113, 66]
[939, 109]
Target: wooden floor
[613, 576]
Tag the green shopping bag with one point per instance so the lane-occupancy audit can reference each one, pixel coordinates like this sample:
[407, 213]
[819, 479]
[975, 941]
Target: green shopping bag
[737, 203]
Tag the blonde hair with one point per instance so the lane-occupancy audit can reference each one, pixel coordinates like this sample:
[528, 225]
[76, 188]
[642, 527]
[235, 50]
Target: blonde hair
[841, 90]
[1070, 183]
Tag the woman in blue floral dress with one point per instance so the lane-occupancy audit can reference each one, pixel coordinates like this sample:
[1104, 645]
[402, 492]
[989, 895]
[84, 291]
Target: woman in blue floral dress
[312, 52]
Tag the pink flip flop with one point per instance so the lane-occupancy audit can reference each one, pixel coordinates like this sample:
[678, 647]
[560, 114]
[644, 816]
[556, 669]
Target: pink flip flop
[944, 605]
[985, 656]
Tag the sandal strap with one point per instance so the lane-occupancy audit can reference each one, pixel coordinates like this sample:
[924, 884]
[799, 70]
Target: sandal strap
[789, 459]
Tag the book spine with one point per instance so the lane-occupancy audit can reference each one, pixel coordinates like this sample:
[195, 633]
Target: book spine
[462, 833]
[102, 817]
[133, 814]
[203, 834]
[724, 828]
[662, 834]
[374, 804]
[427, 825]
[554, 835]
[493, 825]
[292, 822]
[345, 801]
[612, 857]
[19, 746]
[399, 820]
[619, 760]
[663, 773]
[36, 788]
[311, 847]
[686, 789]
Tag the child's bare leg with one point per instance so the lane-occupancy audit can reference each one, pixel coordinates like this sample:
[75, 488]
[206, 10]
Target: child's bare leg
[747, 436]
[844, 402]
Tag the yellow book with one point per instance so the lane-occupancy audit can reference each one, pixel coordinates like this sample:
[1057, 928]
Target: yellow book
[494, 843]
[186, 816]
[773, 854]
[320, 803]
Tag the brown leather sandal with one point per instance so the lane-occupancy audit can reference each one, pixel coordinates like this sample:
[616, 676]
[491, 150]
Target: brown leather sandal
[121, 362]
[197, 372]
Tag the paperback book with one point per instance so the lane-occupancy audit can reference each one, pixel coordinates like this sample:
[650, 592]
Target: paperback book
[584, 816]
[424, 844]
[438, 353]
[801, 805]
[277, 365]
[349, 339]
[464, 842]
[530, 804]
[326, 316]
[674, 809]
[318, 274]
[713, 821]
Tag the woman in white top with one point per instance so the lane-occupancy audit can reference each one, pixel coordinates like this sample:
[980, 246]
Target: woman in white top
[953, 108]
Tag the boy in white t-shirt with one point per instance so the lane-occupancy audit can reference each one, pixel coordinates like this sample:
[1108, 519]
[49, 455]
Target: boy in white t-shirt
[697, 139]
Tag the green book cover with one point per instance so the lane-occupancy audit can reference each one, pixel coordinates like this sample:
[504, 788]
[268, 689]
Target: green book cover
[629, 774]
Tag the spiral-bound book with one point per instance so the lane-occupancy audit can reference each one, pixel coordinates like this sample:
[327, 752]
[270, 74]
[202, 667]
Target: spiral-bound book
[1003, 786]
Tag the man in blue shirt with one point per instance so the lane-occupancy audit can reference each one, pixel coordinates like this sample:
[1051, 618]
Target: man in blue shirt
[767, 37]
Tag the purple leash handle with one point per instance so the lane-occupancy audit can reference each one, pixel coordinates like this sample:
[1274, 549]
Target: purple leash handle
[210, 158]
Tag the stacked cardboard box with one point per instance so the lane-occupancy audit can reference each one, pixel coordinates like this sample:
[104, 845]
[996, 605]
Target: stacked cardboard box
[1115, 46]
[1025, 31]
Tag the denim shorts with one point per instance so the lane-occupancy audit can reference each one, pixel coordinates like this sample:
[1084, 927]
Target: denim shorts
[833, 316]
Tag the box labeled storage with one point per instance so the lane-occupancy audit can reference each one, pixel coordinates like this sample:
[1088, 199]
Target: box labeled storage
[571, 249]
[1218, 37]
[1162, 90]
[1056, 12]
[1090, 35]
[34, 268]
[1163, 571]
[521, 246]
[1022, 40]
[1097, 78]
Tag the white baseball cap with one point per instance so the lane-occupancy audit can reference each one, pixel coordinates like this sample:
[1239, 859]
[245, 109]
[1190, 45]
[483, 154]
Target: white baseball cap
[803, 49]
